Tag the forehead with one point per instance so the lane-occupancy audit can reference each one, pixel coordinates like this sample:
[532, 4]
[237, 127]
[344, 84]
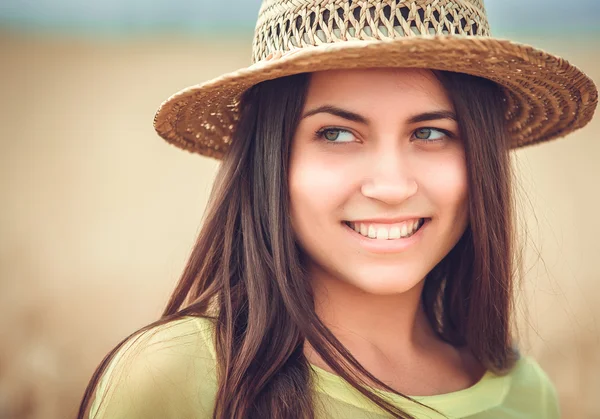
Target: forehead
[390, 85]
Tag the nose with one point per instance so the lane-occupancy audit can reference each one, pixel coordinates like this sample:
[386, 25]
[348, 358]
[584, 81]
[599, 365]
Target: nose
[390, 180]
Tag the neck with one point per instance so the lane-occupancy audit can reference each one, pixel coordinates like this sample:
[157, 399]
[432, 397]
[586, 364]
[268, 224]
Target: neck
[371, 326]
[391, 337]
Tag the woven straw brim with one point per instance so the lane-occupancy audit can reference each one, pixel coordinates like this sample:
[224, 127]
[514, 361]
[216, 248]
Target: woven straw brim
[547, 97]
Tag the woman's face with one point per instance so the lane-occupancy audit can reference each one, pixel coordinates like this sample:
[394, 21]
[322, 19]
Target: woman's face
[377, 153]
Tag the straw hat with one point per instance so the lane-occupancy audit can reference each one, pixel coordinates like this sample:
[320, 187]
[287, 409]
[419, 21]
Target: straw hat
[547, 97]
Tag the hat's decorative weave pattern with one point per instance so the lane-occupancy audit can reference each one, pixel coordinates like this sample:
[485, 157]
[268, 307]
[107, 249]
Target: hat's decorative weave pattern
[546, 96]
[285, 25]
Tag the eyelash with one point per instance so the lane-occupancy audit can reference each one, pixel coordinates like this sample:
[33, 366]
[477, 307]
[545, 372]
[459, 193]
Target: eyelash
[319, 134]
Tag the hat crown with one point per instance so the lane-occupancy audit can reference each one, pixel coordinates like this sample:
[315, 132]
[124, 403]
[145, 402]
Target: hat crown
[284, 25]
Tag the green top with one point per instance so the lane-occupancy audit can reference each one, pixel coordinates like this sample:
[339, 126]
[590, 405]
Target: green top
[169, 372]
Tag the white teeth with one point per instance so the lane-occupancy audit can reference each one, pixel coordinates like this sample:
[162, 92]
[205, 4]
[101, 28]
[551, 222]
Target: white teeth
[372, 232]
[382, 233]
[394, 232]
[386, 232]
[404, 230]
[363, 229]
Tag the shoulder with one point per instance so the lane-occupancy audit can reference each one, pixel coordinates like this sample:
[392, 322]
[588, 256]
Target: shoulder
[166, 371]
[532, 390]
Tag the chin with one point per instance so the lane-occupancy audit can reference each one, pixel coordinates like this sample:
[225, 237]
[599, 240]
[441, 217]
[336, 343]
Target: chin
[379, 282]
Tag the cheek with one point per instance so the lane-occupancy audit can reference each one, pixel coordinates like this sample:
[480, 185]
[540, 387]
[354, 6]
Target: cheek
[318, 190]
[312, 188]
[446, 184]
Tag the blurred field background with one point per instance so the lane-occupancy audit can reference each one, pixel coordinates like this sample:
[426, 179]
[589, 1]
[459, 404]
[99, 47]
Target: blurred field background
[98, 213]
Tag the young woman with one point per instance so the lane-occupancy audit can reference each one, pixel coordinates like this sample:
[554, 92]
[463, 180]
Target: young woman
[357, 259]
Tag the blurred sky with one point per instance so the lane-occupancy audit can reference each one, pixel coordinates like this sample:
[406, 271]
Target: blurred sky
[121, 17]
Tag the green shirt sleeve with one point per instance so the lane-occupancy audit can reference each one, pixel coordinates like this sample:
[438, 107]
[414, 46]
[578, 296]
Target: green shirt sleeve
[548, 398]
[166, 372]
[532, 393]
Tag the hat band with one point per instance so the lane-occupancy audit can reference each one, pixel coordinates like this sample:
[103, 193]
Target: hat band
[285, 27]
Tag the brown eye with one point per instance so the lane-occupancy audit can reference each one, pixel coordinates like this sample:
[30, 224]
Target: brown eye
[331, 135]
[423, 133]
[429, 134]
[336, 135]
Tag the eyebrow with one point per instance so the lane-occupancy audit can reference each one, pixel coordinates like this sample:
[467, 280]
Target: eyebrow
[342, 113]
[355, 117]
[433, 116]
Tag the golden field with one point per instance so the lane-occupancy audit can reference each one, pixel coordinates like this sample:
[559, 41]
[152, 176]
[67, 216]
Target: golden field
[98, 215]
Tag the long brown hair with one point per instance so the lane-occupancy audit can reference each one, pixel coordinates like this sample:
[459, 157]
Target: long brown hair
[246, 271]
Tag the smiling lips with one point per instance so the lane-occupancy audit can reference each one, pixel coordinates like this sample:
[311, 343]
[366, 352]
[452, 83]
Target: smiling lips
[377, 231]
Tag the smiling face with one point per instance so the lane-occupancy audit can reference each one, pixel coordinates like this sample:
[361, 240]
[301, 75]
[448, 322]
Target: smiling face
[378, 179]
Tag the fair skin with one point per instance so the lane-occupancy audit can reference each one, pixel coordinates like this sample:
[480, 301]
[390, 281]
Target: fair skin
[379, 151]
